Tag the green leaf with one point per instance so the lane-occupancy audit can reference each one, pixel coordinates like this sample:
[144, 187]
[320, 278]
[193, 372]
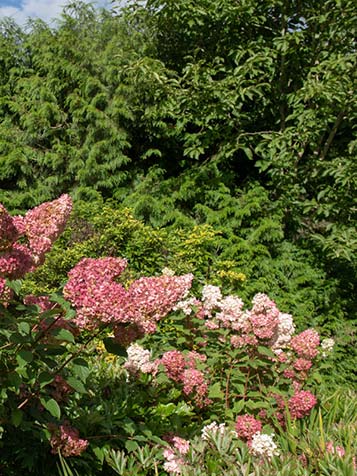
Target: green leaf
[52, 407]
[165, 410]
[63, 334]
[215, 391]
[100, 453]
[77, 385]
[265, 351]
[24, 328]
[14, 380]
[239, 405]
[44, 379]
[16, 417]
[24, 357]
[131, 445]
[80, 369]
[14, 285]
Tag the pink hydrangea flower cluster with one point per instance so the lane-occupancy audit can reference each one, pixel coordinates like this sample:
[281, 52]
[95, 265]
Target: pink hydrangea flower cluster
[65, 440]
[264, 317]
[182, 369]
[262, 324]
[98, 298]
[8, 230]
[37, 231]
[301, 404]
[306, 344]
[173, 454]
[91, 288]
[246, 426]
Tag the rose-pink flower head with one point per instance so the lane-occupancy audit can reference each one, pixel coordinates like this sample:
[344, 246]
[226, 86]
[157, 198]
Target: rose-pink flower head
[43, 302]
[181, 444]
[246, 426]
[16, 262]
[174, 363]
[5, 292]
[65, 440]
[8, 230]
[264, 316]
[301, 404]
[93, 292]
[306, 344]
[43, 224]
[149, 299]
[302, 365]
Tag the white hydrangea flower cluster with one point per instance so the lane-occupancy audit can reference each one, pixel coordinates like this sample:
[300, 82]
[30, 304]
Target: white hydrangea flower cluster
[327, 346]
[212, 429]
[138, 359]
[262, 445]
[211, 296]
[285, 331]
[185, 306]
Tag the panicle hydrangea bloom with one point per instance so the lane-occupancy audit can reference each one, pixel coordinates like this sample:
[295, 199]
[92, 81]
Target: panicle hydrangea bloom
[182, 369]
[138, 360]
[211, 325]
[8, 230]
[43, 302]
[327, 346]
[231, 313]
[65, 440]
[306, 344]
[283, 333]
[92, 289]
[5, 293]
[243, 340]
[264, 316]
[301, 404]
[149, 299]
[174, 363]
[173, 455]
[246, 426]
[194, 381]
[193, 356]
[16, 262]
[302, 365]
[186, 305]
[38, 229]
[43, 224]
[212, 430]
[263, 446]
[211, 297]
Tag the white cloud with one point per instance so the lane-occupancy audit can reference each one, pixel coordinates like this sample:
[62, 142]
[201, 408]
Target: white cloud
[47, 10]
